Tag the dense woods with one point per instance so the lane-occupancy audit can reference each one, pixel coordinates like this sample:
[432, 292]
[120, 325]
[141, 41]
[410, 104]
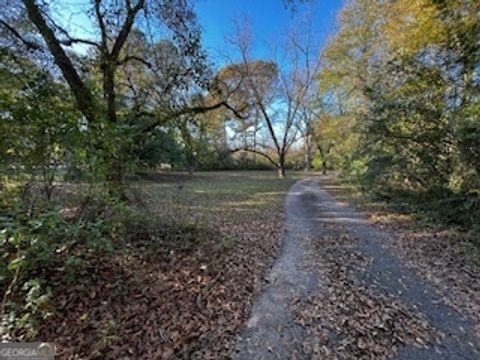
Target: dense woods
[400, 85]
[391, 103]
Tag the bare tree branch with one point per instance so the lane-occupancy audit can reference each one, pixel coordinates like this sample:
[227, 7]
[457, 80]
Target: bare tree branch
[30, 44]
[126, 28]
[129, 58]
[101, 25]
[266, 156]
[191, 111]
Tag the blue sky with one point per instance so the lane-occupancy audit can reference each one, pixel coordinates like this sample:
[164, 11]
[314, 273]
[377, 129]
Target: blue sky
[269, 20]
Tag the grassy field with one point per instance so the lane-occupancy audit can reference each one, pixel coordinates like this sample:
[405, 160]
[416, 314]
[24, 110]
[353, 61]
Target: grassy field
[209, 198]
[185, 280]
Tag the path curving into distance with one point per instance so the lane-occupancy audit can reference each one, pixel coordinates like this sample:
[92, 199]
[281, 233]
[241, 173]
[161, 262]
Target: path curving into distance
[310, 212]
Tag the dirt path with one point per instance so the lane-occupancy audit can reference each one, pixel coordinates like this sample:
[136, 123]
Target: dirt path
[336, 292]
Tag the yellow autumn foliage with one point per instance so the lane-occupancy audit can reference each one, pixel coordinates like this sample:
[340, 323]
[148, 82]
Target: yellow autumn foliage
[411, 25]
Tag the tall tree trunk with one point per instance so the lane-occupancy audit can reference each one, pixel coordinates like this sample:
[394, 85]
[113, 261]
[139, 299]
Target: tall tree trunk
[191, 159]
[281, 165]
[109, 88]
[191, 169]
[115, 175]
[324, 167]
[308, 154]
[323, 155]
[188, 143]
[255, 130]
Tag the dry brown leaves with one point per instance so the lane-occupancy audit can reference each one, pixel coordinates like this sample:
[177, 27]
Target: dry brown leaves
[183, 306]
[348, 319]
[169, 304]
[439, 256]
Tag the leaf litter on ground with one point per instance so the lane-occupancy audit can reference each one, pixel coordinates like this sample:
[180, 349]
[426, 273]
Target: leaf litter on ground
[159, 298]
[348, 318]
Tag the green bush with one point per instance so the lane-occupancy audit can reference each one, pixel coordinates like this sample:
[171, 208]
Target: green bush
[40, 251]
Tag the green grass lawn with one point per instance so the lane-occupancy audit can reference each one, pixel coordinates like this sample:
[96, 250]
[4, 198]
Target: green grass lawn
[205, 209]
[207, 194]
